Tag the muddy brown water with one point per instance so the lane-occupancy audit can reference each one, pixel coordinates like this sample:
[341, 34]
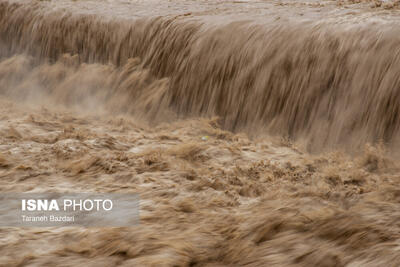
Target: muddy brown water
[256, 132]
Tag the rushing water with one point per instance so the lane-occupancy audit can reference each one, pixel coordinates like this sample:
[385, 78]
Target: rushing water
[202, 108]
[320, 83]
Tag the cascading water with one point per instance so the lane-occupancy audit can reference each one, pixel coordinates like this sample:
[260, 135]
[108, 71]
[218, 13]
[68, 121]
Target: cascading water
[328, 86]
[159, 98]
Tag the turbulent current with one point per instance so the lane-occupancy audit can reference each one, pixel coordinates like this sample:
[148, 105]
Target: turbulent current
[256, 132]
[320, 83]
